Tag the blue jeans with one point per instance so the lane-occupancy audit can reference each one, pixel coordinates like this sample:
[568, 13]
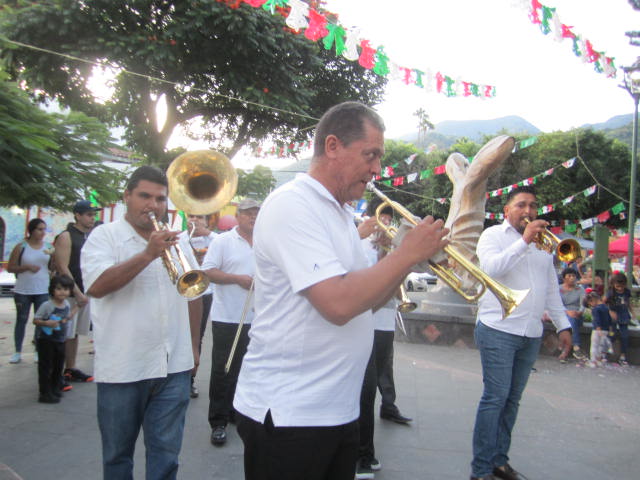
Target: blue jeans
[158, 405]
[506, 364]
[23, 305]
[576, 323]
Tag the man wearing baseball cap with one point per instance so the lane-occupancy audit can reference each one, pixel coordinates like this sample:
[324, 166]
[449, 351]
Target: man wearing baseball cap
[67, 257]
[229, 263]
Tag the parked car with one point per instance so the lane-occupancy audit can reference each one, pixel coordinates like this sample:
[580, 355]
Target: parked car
[419, 282]
[7, 282]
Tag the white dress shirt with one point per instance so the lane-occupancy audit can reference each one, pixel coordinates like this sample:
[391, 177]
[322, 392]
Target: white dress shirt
[230, 253]
[142, 330]
[507, 258]
[305, 369]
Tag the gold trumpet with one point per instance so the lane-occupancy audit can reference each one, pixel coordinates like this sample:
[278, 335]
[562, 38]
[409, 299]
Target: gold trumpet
[509, 299]
[567, 250]
[200, 182]
[190, 283]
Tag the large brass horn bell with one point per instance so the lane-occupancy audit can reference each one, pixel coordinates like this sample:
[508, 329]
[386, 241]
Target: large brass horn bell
[201, 182]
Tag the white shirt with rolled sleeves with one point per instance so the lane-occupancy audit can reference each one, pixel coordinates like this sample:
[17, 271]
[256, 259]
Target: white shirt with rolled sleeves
[141, 331]
[304, 369]
[230, 253]
[507, 258]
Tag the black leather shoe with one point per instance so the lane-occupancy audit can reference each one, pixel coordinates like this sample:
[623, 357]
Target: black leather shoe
[219, 436]
[506, 472]
[486, 477]
[395, 417]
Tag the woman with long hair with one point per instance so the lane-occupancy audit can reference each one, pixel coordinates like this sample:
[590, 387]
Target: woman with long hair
[29, 261]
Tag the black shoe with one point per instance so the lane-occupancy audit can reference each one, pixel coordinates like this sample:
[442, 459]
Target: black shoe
[486, 477]
[48, 398]
[395, 417]
[194, 391]
[506, 472]
[75, 375]
[219, 435]
[57, 394]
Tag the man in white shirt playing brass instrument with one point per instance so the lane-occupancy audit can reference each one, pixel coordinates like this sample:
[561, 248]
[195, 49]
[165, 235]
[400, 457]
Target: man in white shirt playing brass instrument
[145, 333]
[509, 347]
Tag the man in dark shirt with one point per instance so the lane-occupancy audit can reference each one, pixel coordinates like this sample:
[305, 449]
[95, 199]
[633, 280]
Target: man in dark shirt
[67, 257]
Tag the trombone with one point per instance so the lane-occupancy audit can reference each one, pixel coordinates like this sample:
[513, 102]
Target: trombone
[509, 299]
[567, 250]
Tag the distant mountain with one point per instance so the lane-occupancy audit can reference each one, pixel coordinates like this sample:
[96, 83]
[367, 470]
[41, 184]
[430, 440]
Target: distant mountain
[614, 122]
[448, 132]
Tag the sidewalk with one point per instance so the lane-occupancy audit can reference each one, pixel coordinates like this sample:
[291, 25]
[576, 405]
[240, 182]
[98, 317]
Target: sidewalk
[574, 423]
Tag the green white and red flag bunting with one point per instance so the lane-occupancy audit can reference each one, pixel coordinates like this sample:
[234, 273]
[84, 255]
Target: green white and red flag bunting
[548, 20]
[316, 25]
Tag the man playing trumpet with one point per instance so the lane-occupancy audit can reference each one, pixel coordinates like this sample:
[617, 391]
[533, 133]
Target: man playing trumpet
[509, 347]
[299, 387]
[146, 333]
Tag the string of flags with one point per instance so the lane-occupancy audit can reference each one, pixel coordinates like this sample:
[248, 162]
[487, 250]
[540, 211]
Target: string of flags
[317, 25]
[571, 226]
[529, 181]
[548, 20]
[552, 207]
[387, 175]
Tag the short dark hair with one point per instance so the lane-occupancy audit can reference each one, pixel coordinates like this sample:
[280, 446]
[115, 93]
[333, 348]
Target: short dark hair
[346, 121]
[569, 271]
[149, 173]
[618, 278]
[592, 295]
[33, 224]
[60, 280]
[373, 206]
[523, 189]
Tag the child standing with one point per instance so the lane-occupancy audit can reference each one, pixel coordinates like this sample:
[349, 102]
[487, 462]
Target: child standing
[601, 321]
[618, 299]
[50, 337]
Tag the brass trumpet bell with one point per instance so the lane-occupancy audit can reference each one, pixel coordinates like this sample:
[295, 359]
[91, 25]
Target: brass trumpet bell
[566, 250]
[201, 182]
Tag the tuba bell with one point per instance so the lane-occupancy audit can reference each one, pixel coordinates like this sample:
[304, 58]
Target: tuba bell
[201, 183]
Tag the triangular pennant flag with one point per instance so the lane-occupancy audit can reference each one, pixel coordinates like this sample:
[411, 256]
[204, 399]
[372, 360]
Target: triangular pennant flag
[569, 163]
[409, 160]
[572, 227]
[412, 177]
[604, 216]
[440, 169]
[588, 223]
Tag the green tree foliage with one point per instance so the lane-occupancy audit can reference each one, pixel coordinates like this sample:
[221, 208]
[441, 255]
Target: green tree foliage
[606, 162]
[50, 159]
[257, 183]
[607, 159]
[200, 54]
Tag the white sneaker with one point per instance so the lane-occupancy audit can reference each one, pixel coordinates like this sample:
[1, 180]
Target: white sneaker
[15, 358]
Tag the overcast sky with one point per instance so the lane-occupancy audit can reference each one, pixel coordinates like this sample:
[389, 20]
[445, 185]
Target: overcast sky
[494, 42]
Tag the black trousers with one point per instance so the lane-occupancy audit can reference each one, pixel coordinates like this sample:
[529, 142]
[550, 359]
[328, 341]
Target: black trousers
[50, 365]
[222, 387]
[379, 373]
[298, 453]
[207, 300]
[383, 341]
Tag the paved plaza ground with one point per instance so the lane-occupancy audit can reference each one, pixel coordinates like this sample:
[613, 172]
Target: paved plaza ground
[574, 423]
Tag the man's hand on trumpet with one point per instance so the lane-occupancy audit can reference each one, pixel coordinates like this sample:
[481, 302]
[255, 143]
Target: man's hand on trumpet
[159, 241]
[533, 229]
[424, 240]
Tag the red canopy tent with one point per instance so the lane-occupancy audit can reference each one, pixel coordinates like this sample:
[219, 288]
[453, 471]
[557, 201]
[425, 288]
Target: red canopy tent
[621, 246]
